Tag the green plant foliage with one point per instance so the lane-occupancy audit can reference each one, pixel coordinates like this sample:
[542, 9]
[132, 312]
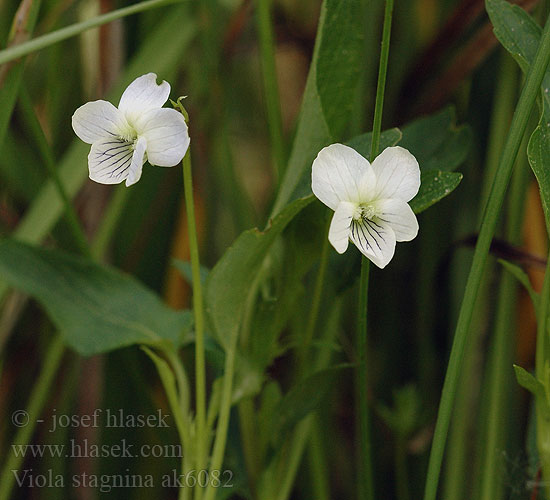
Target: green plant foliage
[229, 282]
[434, 186]
[96, 308]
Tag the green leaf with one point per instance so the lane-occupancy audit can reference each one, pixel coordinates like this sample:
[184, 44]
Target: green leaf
[434, 185]
[538, 153]
[534, 386]
[437, 142]
[520, 35]
[515, 29]
[304, 397]
[522, 277]
[229, 282]
[96, 308]
[47, 207]
[330, 92]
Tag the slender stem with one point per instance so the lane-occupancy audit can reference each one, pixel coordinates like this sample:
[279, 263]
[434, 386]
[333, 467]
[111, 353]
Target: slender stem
[271, 90]
[366, 482]
[59, 35]
[35, 129]
[366, 477]
[198, 308]
[37, 400]
[488, 227]
[381, 86]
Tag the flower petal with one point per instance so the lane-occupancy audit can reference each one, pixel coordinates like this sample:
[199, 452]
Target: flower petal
[340, 173]
[109, 160]
[399, 216]
[142, 95]
[340, 226]
[138, 159]
[397, 174]
[167, 136]
[375, 240]
[98, 120]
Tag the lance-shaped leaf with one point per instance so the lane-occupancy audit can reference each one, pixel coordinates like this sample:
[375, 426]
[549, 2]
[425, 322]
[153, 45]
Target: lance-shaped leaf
[96, 308]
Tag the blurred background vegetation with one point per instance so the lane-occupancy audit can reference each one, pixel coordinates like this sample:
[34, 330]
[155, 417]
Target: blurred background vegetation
[443, 53]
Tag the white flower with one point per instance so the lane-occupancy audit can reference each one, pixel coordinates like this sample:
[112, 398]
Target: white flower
[369, 201]
[139, 129]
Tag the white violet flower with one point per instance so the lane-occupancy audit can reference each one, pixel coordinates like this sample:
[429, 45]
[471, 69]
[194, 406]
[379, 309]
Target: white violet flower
[139, 129]
[369, 201]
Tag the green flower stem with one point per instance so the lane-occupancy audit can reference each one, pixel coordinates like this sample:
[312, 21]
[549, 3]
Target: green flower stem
[541, 369]
[366, 482]
[32, 124]
[366, 477]
[271, 90]
[488, 227]
[381, 86]
[37, 400]
[57, 36]
[198, 309]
